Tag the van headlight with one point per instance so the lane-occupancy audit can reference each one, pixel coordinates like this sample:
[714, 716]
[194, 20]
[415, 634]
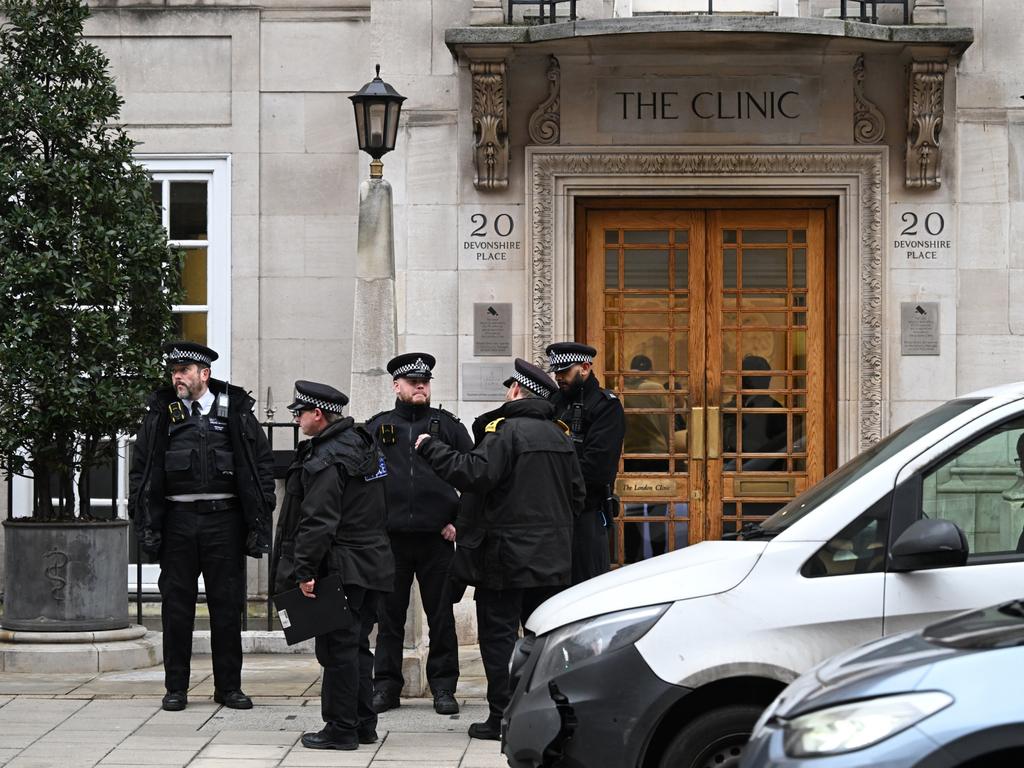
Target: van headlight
[568, 647]
[859, 724]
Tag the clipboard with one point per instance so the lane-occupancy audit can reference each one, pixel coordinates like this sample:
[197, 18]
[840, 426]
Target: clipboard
[302, 618]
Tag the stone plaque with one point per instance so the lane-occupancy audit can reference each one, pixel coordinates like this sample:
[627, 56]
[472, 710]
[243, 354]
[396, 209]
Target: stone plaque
[922, 235]
[646, 487]
[492, 330]
[919, 327]
[491, 237]
[484, 381]
[765, 105]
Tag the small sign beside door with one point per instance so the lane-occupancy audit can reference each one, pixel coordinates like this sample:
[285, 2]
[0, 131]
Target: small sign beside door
[919, 327]
[646, 487]
[492, 329]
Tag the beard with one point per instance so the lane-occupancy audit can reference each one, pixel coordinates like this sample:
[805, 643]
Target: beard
[572, 387]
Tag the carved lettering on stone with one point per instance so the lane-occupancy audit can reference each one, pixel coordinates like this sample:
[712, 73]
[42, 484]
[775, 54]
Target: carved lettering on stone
[924, 123]
[545, 120]
[490, 124]
[868, 120]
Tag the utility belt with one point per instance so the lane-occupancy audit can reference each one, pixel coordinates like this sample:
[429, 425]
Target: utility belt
[204, 506]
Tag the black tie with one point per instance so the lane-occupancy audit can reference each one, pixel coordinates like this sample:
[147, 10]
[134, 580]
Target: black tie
[197, 410]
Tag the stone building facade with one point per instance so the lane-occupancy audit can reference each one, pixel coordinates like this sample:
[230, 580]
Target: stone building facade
[768, 188]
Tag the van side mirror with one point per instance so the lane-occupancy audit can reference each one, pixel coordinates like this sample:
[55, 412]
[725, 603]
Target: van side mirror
[929, 544]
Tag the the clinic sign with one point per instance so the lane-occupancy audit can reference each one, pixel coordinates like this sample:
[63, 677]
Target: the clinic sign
[666, 105]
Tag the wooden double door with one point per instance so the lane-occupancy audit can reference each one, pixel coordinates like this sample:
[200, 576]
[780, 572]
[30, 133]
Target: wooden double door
[716, 327]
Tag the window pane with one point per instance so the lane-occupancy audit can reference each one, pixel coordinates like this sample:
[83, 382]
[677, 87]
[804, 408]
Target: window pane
[611, 236]
[645, 269]
[188, 210]
[764, 268]
[646, 237]
[193, 276]
[190, 326]
[764, 235]
[682, 276]
[611, 268]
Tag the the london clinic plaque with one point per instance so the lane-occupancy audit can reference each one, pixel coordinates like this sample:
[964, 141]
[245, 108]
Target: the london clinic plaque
[492, 330]
[919, 327]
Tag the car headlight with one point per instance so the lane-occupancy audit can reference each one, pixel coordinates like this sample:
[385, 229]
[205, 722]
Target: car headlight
[859, 724]
[570, 646]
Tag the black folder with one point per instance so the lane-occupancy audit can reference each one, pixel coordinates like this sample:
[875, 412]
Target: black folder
[303, 617]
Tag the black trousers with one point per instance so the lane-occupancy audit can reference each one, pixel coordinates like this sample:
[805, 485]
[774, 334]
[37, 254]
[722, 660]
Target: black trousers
[499, 614]
[210, 544]
[590, 553]
[346, 690]
[427, 557]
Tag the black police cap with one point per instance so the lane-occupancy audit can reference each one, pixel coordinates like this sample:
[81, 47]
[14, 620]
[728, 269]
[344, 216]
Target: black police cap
[566, 354]
[309, 394]
[188, 352]
[533, 378]
[412, 365]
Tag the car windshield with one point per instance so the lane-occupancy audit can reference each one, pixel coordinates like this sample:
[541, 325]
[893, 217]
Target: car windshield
[863, 463]
[1000, 626]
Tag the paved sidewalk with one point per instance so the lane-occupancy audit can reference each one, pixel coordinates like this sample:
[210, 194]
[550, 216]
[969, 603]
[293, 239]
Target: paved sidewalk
[114, 718]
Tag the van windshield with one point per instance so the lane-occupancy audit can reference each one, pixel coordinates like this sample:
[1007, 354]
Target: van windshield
[863, 463]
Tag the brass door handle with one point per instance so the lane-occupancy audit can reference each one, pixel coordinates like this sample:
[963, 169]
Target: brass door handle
[714, 432]
[696, 432]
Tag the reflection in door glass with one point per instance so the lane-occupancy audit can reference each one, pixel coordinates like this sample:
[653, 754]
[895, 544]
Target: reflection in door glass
[645, 269]
[645, 237]
[611, 268]
[764, 268]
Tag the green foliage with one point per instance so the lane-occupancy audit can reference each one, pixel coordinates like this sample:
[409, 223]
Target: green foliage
[87, 280]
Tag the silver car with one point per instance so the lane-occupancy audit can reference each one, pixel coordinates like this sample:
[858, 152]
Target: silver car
[947, 695]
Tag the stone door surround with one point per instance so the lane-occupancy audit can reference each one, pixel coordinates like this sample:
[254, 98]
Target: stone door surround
[855, 175]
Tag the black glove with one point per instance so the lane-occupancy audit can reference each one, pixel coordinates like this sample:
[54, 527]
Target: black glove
[149, 542]
[255, 545]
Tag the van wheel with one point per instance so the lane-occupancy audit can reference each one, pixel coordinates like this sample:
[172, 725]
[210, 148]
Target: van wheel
[713, 740]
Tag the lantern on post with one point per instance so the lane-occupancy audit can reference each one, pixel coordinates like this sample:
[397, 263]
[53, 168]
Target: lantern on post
[377, 106]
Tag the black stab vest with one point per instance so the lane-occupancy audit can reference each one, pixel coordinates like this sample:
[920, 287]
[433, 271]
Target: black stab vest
[199, 457]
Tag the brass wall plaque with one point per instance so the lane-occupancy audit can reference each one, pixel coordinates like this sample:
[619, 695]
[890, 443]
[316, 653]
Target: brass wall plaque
[784, 486]
[646, 487]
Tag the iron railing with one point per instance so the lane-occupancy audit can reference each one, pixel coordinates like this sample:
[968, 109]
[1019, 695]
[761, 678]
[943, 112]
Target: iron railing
[546, 10]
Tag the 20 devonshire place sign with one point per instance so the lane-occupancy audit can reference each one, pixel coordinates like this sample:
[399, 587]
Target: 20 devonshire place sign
[665, 105]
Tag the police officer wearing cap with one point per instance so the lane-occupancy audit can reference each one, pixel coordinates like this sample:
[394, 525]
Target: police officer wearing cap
[597, 426]
[421, 516]
[202, 497]
[333, 522]
[521, 488]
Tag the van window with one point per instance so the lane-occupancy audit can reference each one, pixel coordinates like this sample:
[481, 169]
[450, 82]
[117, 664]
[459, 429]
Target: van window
[859, 548]
[864, 462]
[980, 487]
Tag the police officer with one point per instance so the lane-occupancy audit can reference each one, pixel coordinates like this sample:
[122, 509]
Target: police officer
[421, 513]
[202, 496]
[333, 522]
[597, 426]
[521, 487]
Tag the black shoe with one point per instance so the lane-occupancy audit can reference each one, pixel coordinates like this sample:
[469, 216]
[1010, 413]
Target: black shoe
[232, 699]
[330, 739]
[384, 700]
[489, 729]
[367, 735]
[175, 701]
[445, 703]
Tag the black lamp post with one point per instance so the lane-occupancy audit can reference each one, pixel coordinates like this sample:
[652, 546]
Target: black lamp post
[377, 107]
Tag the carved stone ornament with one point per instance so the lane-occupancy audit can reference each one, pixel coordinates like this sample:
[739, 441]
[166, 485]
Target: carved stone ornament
[545, 121]
[868, 120]
[490, 124]
[553, 171]
[924, 123]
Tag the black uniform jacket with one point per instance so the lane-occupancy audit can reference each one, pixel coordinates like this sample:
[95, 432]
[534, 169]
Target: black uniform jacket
[604, 427]
[418, 500]
[333, 518]
[254, 466]
[521, 488]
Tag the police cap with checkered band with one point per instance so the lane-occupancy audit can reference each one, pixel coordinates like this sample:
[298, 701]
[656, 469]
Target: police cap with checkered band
[412, 365]
[188, 352]
[566, 354]
[309, 395]
[533, 378]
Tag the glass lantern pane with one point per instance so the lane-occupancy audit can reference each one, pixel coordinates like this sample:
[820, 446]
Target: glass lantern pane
[377, 114]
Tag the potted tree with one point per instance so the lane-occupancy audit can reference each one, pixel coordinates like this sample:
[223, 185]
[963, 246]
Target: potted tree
[87, 283]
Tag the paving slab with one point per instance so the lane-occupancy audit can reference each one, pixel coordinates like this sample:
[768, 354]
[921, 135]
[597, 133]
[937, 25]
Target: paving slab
[286, 738]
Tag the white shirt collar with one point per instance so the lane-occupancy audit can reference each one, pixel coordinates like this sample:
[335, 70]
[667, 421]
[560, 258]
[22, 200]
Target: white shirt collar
[205, 403]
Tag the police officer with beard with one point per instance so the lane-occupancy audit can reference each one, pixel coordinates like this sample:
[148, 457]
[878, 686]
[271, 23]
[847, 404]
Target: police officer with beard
[421, 512]
[521, 487]
[332, 522]
[597, 425]
[202, 496]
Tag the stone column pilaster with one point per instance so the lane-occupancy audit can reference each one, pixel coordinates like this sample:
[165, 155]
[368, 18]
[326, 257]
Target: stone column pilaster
[931, 12]
[487, 13]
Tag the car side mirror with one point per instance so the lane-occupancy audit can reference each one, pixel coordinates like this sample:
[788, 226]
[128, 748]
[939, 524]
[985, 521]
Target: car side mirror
[929, 544]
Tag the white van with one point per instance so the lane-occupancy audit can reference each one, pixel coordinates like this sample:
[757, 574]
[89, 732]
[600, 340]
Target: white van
[669, 662]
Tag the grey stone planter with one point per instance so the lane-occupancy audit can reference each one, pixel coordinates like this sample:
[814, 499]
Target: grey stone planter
[65, 577]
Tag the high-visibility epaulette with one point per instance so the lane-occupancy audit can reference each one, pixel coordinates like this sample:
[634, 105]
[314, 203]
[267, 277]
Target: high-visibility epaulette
[493, 426]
